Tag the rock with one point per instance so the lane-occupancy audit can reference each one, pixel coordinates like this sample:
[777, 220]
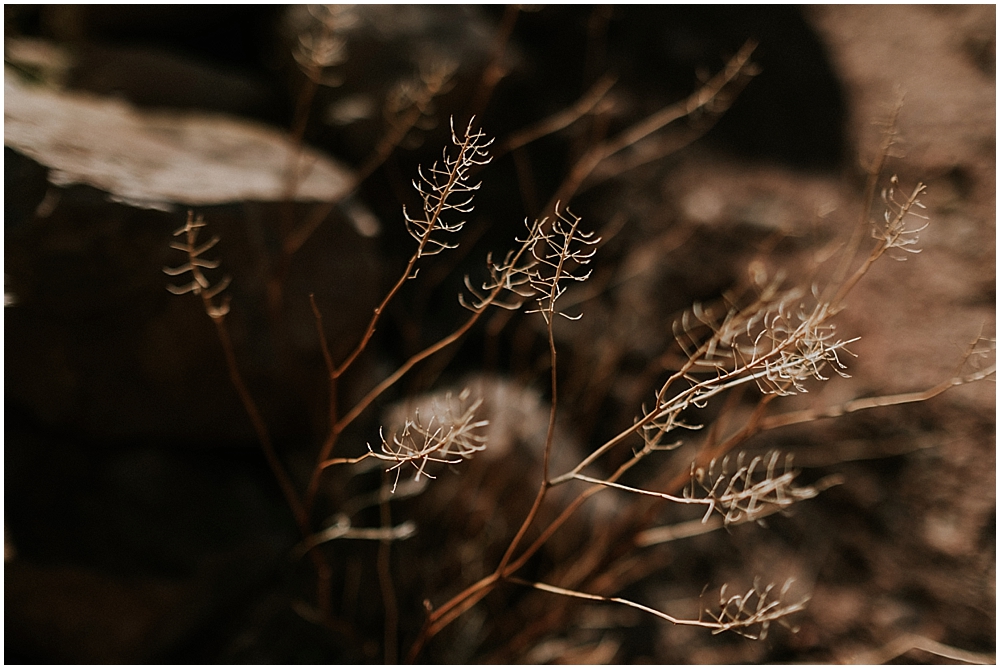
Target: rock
[160, 159]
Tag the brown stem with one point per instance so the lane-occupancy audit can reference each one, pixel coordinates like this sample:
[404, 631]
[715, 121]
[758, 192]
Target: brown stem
[809, 415]
[871, 185]
[385, 582]
[259, 427]
[549, 312]
[453, 177]
[562, 119]
[323, 571]
[589, 161]
[494, 72]
[398, 131]
[525, 524]
[375, 392]
[442, 616]
[337, 426]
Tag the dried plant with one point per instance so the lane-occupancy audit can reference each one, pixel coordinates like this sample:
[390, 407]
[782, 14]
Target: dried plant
[410, 103]
[445, 187]
[448, 435]
[712, 98]
[779, 342]
[199, 285]
[546, 257]
[751, 614]
[560, 249]
[321, 43]
[746, 492]
[895, 234]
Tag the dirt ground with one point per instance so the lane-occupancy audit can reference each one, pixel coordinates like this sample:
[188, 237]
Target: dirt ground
[142, 522]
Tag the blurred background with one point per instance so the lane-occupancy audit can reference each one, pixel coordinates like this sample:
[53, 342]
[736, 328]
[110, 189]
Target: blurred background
[142, 523]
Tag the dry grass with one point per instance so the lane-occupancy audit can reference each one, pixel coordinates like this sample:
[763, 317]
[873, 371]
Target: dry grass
[777, 340]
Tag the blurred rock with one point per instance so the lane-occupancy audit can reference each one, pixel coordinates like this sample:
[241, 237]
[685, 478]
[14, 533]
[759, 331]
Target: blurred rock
[158, 160]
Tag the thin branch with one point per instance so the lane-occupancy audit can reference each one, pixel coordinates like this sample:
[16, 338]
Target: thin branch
[217, 312]
[342, 529]
[444, 615]
[437, 191]
[909, 642]
[560, 248]
[384, 564]
[959, 379]
[435, 80]
[738, 613]
[443, 188]
[562, 119]
[737, 66]
[506, 278]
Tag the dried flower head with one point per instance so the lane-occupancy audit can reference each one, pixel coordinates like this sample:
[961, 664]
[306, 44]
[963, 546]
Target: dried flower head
[547, 257]
[449, 434]
[411, 101]
[562, 247]
[445, 187]
[898, 213]
[322, 41]
[795, 345]
[751, 614]
[200, 284]
[744, 491]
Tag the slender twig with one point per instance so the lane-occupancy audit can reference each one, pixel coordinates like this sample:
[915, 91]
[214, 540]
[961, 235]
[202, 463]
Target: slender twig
[562, 245]
[444, 615]
[435, 82]
[442, 189]
[562, 119]
[385, 581]
[909, 642]
[202, 287]
[810, 415]
[739, 612]
[737, 66]
[494, 70]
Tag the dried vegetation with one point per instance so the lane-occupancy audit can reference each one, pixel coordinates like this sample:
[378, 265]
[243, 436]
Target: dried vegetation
[489, 482]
